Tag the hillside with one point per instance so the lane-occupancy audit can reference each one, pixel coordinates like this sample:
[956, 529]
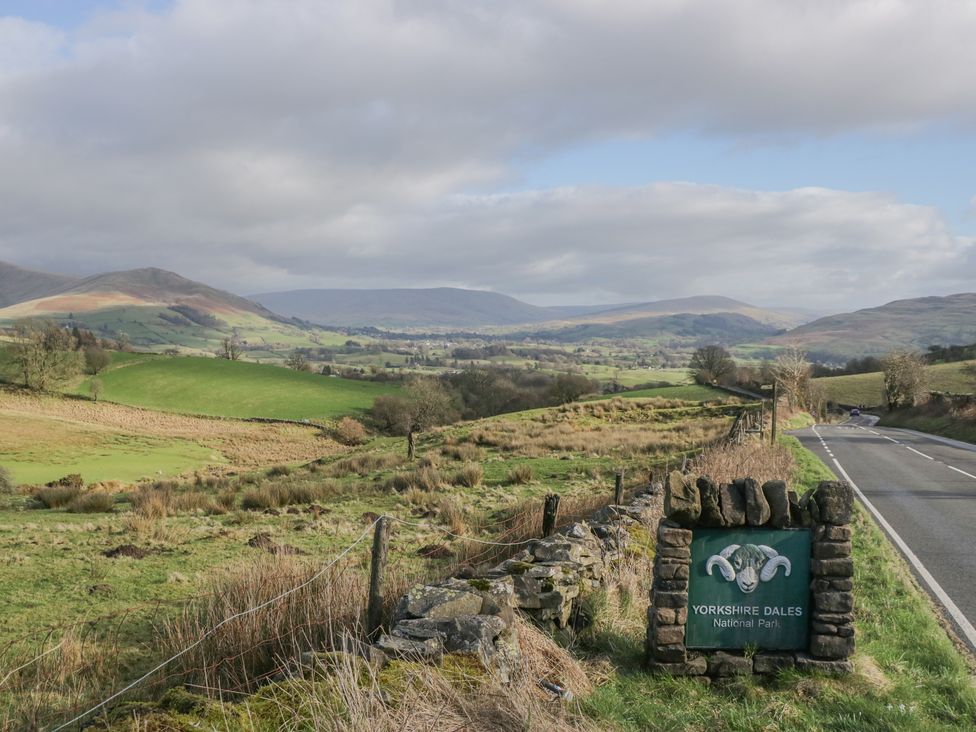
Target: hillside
[673, 331]
[866, 388]
[216, 387]
[442, 307]
[18, 284]
[915, 323]
[697, 305]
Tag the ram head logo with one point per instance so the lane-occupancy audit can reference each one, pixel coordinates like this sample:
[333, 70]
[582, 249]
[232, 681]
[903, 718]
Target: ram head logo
[748, 565]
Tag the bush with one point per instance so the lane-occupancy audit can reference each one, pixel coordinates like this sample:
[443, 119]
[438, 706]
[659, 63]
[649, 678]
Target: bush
[279, 470]
[519, 475]
[56, 496]
[350, 432]
[469, 475]
[464, 451]
[276, 495]
[6, 481]
[69, 481]
[92, 503]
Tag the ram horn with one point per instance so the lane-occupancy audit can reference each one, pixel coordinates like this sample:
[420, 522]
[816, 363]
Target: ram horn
[768, 551]
[770, 567]
[724, 566]
[729, 551]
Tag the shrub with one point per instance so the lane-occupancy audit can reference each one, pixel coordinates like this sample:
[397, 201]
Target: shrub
[6, 480]
[398, 483]
[56, 496]
[365, 464]
[92, 503]
[427, 479]
[276, 495]
[69, 481]
[350, 432]
[278, 471]
[469, 475]
[465, 451]
[519, 475]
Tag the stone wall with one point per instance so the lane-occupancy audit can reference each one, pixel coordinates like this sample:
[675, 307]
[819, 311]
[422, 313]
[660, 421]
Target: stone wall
[691, 502]
[473, 614]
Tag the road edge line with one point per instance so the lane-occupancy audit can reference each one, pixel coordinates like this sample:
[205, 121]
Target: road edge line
[934, 587]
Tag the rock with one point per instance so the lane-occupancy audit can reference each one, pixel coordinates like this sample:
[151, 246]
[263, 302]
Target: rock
[831, 549]
[810, 512]
[834, 602]
[833, 647]
[436, 603]
[779, 503]
[674, 552]
[666, 635]
[805, 662]
[733, 504]
[796, 512]
[691, 667]
[681, 501]
[826, 585]
[673, 653]
[836, 502]
[832, 567]
[427, 651]
[672, 571]
[671, 536]
[770, 663]
[725, 664]
[836, 533]
[558, 549]
[711, 509]
[671, 599]
[834, 618]
[661, 615]
[757, 509]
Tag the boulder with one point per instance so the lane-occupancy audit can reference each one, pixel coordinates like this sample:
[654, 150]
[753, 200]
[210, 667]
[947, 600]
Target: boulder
[733, 504]
[711, 509]
[431, 601]
[835, 499]
[681, 502]
[429, 650]
[777, 497]
[757, 509]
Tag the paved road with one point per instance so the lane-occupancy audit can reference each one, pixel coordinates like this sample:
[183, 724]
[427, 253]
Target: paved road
[922, 489]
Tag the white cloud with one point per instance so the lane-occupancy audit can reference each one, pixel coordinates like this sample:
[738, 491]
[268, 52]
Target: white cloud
[260, 144]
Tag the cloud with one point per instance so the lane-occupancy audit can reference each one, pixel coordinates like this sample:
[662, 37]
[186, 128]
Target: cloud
[260, 144]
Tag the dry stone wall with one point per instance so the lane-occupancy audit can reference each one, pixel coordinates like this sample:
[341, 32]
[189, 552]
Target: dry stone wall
[693, 502]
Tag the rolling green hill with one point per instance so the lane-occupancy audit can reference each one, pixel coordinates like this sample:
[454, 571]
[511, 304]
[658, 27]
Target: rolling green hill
[866, 388]
[210, 386]
[679, 330]
[915, 323]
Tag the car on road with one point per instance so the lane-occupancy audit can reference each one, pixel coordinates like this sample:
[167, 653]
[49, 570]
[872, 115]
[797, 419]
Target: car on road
[855, 412]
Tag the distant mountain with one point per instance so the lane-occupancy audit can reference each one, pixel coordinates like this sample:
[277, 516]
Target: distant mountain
[441, 307]
[18, 284]
[698, 305]
[669, 331]
[915, 323]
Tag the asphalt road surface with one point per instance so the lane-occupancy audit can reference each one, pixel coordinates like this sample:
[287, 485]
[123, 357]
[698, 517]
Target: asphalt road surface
[922, 490]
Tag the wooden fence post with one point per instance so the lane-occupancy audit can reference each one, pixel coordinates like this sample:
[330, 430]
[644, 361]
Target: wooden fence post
[549, 514]
[618, 488]
[377, 567]
[772, 439]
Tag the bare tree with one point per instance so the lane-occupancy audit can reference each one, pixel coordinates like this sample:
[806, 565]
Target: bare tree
[95, 388]
[97, 359]
[792, 372]
[230, 348]
[298, 362]
[45, 354]
[904, 379]
[425, 403]
[711, 364]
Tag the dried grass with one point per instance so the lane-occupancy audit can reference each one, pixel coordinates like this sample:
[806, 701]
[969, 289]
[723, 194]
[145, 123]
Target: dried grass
[752, 458]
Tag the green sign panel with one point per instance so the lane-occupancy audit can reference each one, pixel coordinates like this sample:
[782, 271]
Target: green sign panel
[749, 587]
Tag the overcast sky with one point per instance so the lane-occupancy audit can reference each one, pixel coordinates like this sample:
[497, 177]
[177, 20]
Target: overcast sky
[816, 154]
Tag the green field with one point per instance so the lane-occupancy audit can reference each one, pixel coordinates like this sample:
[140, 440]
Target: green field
[689, 392]
[210, 386]
[866, 388]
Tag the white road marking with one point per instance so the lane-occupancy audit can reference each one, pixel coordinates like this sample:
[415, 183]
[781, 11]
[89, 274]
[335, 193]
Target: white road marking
[892, 439]
[964, 625]
[968, 475]
[927, 457]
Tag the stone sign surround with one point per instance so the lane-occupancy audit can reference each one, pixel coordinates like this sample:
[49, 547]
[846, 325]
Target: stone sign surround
[732, 549]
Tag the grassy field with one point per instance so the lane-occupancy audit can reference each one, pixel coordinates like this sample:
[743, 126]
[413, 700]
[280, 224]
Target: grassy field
[198, 385]
[44, 437]
[689, 392]
[867, 388]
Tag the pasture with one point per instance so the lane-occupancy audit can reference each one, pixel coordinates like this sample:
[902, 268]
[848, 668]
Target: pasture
[867, 389]
[217, 387]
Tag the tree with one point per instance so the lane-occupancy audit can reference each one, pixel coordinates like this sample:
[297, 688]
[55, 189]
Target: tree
[97, 359]
[570, 387]
[792, 373]
[711, 365]
[425, 403]
[95, 388]
[44, 355]
[230, 348]
[904, 378]
[297, 361]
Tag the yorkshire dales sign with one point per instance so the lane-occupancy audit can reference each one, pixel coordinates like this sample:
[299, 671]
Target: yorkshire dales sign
[749, 589]
[751, 578]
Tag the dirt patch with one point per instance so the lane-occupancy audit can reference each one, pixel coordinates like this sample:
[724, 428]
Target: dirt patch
[126, 550]
[265, 542]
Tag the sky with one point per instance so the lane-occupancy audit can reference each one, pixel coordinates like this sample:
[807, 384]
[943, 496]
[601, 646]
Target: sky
[813, 154]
